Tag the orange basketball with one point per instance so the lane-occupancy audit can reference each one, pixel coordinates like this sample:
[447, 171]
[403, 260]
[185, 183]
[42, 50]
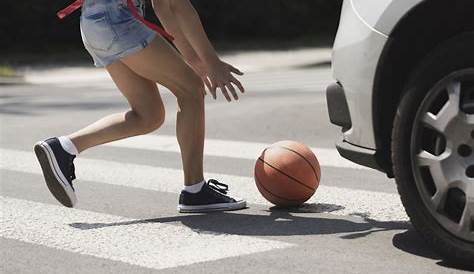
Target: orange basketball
[287, 173]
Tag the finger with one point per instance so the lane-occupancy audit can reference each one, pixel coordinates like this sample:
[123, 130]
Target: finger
[214, 94]
[207, 83]
[204, 92]
[224, 92]
[238, 84]
[214, 90]
[206, 87]
[231, 88]
[235, 70]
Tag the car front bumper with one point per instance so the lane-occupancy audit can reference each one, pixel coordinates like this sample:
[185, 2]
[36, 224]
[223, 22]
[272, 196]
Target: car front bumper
[356, 53]
[339, 115]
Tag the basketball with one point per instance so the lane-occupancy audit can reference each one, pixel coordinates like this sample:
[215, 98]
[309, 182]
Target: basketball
[287, 173]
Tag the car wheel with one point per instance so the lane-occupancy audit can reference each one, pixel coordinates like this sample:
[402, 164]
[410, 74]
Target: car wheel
[433, 149]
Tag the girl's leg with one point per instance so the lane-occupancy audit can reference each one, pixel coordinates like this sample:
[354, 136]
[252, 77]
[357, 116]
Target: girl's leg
[159, 62]
[146, 115]
[147, 112]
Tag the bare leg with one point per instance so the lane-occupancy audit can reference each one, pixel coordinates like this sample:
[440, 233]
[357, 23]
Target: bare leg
[161, 63]
[146, 115]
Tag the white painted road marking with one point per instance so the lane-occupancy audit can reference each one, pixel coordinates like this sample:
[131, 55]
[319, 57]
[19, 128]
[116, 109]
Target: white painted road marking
[224, 148]
[147, 244]
[295, 80]
[374, 205]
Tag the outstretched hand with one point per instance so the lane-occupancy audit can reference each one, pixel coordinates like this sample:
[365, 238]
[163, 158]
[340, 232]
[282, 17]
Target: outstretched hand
[220, 75]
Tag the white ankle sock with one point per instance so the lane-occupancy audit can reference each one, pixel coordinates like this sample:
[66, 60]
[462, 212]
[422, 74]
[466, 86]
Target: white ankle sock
[68, 145]
[194, 188]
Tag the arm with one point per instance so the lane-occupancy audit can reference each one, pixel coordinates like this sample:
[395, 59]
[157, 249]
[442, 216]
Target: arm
[181, 20]
[163, 11]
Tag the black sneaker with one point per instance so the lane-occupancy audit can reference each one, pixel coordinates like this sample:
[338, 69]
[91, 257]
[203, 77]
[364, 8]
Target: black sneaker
[212, 197]
[58, 170]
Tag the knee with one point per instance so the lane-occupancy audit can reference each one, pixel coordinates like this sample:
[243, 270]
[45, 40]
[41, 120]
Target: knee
[192, 92]
[151, 121]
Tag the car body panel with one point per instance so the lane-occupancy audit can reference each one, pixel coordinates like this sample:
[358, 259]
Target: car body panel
[383, 15]
[364, 30]
[394, 13]
[356, 51]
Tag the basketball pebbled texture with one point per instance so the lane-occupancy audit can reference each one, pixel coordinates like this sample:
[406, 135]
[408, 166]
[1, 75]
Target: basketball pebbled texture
[287, 173]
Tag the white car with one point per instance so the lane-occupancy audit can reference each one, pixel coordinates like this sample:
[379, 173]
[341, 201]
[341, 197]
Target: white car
[404, 98]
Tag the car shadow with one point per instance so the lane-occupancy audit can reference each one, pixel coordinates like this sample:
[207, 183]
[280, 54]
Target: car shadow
[410, 241]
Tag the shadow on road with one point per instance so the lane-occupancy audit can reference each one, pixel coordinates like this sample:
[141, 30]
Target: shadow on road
[290, 222]
[272, 222]
[323, 64]
[410, 241]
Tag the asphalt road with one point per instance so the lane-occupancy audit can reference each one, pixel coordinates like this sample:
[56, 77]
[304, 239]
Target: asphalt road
[126, 220]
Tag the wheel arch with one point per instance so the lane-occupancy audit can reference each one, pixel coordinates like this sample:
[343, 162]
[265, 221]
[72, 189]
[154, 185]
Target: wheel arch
[420, 31]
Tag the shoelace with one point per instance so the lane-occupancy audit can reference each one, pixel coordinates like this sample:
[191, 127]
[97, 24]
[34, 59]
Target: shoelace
[72, 169]
[220, 187]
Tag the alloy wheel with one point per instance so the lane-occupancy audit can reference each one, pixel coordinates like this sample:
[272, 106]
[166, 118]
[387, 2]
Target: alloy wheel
[442, 153]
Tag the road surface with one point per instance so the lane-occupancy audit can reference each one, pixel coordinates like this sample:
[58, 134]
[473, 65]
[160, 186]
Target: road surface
[126, 220]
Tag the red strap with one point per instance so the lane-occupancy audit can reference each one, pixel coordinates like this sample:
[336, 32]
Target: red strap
[152, 26]
[78, 3]
[70, 9]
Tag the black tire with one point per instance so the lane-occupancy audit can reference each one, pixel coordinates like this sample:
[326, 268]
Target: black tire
[453, 55]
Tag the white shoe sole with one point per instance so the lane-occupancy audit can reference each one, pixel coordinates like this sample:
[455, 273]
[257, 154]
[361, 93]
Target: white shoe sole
[212, 207]
[57, 183]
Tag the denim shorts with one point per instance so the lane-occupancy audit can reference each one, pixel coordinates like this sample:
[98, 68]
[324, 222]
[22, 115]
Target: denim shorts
[110, 32]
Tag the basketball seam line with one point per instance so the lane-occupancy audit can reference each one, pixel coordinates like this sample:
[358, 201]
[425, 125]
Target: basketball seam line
[294, 179]
[299, 154]
[279, 197]
[309, 163]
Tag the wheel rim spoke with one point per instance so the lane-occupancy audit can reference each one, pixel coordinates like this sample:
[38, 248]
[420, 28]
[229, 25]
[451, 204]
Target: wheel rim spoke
[466, 223]
[431, 120]
[448, 112]
[433, 162]
[439, 199]
[427, 159]
[452, 106]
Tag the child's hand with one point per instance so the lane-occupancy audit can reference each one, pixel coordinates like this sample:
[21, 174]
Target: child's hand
[219, 75]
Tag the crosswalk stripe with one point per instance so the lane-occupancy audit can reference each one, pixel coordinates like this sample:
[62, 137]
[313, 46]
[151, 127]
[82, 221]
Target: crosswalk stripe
[142, 243]
[312, 86]
[101, 76]
[311, 80]
[225, 148]
[341, 201]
